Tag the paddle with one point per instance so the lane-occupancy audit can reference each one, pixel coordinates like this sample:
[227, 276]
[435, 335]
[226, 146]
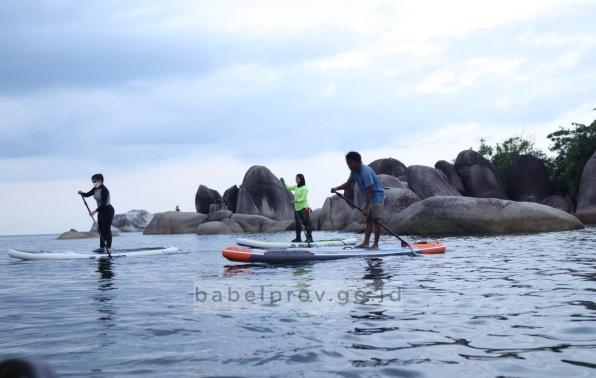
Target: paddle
[96, 225]
[403, 242]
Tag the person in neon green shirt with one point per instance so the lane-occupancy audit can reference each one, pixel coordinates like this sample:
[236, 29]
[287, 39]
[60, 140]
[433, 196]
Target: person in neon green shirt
[301, 208]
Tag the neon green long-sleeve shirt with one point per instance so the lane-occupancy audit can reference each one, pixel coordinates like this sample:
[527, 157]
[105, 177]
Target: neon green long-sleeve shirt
[300, 196]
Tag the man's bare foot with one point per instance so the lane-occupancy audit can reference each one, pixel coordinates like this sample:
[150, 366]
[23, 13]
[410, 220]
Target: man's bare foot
[362, 246]
[373, 248]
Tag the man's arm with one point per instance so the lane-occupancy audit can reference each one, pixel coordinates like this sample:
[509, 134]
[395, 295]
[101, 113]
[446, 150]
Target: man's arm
[369, 194]
[346, 185]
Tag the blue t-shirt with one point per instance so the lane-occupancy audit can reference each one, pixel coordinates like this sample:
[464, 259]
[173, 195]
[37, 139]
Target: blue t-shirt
[366, 178]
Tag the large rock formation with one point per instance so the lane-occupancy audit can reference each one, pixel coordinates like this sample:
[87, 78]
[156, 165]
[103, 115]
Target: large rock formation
[528, 179]
[335, 214]
[225, 226]
[258, 223]
[478, 175]
[315, 216]
[586, 199]
[204, 198]
[429, 182]
[263, 194]
[132, 221]
[243, 223]
[174, 222]
[396, 200]
[559, 202]
[230, 198]
[387, 181]
[74, 234]
[452, 177]
[390, 166]
[476, 216]
[219, 215]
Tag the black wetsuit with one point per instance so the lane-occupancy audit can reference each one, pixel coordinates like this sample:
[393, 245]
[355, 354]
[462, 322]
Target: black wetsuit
[105, 214]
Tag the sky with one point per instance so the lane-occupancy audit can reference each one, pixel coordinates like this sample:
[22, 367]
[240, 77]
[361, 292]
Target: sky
[161, 96]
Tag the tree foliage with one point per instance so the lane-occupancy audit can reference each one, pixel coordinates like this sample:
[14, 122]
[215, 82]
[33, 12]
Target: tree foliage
[573, 147]
[503, 153]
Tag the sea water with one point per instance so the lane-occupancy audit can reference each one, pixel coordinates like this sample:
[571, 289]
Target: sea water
[491, 306]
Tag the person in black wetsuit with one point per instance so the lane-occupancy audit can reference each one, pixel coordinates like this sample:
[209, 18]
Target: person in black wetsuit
[104, 210]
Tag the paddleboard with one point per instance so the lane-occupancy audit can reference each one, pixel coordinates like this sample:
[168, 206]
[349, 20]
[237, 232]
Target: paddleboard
[293, 255]
[316, 244]
[70, 255]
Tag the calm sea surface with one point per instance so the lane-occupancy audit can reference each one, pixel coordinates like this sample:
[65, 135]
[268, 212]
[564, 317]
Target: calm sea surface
[515, 306]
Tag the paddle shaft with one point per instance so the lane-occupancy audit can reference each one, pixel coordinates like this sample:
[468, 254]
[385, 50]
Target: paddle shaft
[403, 242]
[96, 225]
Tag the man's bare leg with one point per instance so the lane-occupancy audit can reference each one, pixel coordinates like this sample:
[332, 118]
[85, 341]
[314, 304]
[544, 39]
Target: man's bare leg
[367, 233]
[377, 236]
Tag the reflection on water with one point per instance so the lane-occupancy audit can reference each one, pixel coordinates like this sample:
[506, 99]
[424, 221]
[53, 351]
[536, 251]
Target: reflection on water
[498, 306]
[103, 295]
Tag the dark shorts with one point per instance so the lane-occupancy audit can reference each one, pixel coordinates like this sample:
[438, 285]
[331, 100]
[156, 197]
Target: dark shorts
[375, 210]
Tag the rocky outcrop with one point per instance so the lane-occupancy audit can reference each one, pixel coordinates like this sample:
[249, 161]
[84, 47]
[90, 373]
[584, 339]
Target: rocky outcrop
[258, 223]
[132, 221]
[396, 200]
[429, 182]
[226, 226]
[559, 202]
[263, 194]
[386, 180]
[478, 216]
[586, 199]
[219, 215]
[94, 229]
[252, 223]
[230, 198]
[174, 222]
[315, 217]
[335, 214]
[205, 197]
[389, 181]
[478, 175]
[74, 234]
[528, 179]
[238, 223]
[452, 177]
[390, 166]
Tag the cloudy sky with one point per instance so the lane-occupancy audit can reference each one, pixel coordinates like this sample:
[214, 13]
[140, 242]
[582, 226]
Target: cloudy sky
[162, 96]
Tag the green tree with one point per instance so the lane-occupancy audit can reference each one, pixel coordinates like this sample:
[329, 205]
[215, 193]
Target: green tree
[573, 147]
[503, 153]
[485, 150]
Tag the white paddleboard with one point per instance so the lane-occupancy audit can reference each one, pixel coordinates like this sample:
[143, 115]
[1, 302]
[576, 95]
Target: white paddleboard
[70, 255]
[316, 244]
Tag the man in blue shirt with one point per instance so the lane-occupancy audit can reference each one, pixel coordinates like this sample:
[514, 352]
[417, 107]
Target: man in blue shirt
[369, 184]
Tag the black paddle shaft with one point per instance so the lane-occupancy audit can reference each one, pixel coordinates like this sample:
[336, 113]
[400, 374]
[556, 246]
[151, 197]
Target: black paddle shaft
[96, 225]
[403, 242]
